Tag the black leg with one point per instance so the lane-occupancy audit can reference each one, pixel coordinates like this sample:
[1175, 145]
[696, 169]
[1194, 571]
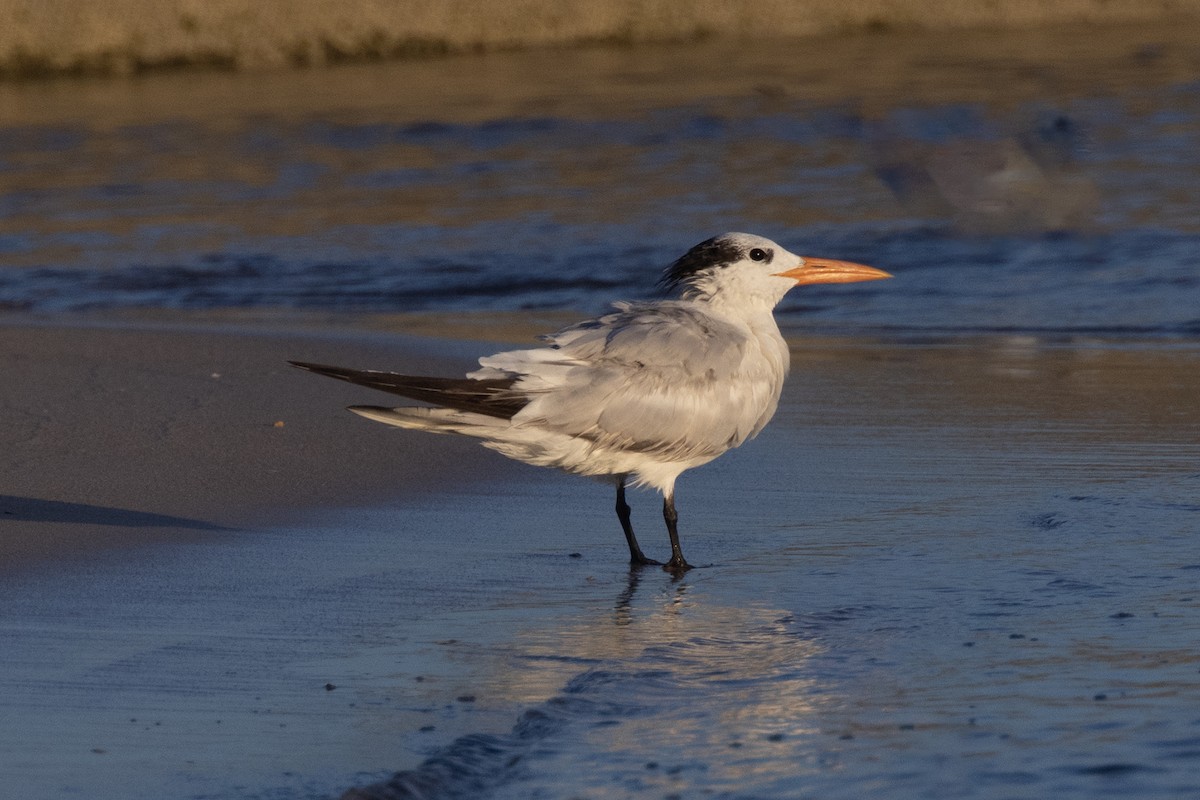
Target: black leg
[636, 557]
[678, 563]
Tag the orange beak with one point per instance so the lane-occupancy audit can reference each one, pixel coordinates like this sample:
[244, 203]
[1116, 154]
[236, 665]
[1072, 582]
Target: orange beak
[826, 270]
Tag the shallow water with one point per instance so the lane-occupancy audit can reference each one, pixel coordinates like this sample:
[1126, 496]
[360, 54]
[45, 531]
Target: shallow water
[984, 585]
[927, 597]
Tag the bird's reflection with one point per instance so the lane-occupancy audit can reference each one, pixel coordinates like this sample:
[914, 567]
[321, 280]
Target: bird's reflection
[666, 675]
[669, 628]
[623, 609]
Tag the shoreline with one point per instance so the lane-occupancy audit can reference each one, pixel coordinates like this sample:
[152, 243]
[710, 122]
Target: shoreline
[125, 431]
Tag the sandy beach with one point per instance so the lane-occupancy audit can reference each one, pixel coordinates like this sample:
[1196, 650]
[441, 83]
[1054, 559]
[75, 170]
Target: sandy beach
[125, 37]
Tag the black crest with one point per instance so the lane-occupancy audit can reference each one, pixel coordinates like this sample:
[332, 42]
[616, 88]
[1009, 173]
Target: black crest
[714, 252]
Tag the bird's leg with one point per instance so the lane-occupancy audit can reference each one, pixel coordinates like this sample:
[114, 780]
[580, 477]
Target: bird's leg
[636, 556]
[678, 563]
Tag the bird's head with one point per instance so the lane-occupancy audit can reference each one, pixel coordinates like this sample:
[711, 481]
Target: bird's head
[750, 266]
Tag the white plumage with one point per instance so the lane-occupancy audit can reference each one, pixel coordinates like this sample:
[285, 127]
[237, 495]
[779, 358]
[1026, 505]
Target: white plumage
[641, 394]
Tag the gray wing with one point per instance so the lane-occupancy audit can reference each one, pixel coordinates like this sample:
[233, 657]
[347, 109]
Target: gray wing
[667, 379]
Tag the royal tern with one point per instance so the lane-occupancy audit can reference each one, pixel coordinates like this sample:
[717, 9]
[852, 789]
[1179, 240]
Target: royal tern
[641, 394]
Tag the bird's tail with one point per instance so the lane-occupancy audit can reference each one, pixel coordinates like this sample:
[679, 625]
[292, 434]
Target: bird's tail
[434, 420]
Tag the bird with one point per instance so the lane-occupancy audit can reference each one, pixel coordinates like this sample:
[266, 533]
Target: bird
[639, 395]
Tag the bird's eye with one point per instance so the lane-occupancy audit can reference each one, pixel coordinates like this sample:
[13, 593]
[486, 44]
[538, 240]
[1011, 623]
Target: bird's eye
[758, 254]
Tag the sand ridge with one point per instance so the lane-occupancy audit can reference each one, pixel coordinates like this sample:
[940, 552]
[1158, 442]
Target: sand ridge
[117, 37]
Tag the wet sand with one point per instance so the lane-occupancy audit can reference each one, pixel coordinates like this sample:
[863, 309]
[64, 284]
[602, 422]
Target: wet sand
[126, 432]
[444, 592]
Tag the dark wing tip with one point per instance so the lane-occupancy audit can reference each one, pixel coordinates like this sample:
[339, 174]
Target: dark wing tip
[325, 369]
[492, 397]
